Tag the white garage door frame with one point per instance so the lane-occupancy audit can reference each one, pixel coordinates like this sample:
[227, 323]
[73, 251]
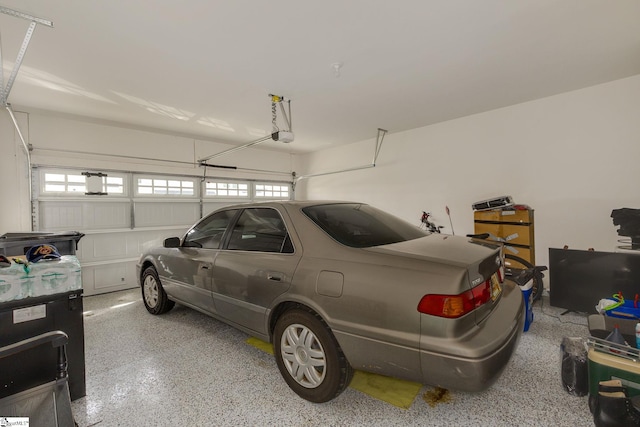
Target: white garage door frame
[121, 213]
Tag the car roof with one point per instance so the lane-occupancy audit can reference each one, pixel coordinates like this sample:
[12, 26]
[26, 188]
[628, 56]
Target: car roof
[291, 203]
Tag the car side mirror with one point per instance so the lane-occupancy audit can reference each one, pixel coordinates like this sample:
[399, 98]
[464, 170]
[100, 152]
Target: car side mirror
[172, 242]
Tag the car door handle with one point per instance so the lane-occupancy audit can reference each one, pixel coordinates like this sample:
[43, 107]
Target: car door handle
[276, 277]
[204, 266]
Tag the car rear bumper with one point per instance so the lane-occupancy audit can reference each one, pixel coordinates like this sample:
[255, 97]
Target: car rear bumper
[493, 349]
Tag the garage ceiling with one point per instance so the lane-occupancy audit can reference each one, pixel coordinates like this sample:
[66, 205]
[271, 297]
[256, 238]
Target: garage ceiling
[205, 68]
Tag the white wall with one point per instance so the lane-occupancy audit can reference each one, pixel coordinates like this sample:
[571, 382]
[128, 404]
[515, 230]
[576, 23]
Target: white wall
[572, 157]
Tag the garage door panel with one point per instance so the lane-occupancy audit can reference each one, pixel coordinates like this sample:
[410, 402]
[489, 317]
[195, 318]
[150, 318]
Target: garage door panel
[101, 216]
[78, 215]
[105, 246]
[59, 216]
[123, 244]
[97, 279]
[155, 214]
[108, 259]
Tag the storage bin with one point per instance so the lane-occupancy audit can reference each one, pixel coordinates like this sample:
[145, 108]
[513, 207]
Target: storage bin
[14, 244]
[600, 326]
[604, 366]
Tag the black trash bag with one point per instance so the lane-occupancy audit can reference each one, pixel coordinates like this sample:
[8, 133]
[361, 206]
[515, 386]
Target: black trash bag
[575, 373]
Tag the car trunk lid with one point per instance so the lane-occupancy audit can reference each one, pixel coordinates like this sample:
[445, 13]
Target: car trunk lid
[482, 261]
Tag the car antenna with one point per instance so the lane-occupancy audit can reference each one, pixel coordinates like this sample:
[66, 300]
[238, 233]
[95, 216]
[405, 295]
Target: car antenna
[450, 222]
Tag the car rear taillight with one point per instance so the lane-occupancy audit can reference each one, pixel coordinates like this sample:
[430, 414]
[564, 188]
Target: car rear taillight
[453, 306]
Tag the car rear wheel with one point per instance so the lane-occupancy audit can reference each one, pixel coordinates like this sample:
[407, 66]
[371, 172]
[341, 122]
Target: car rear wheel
[309, 357]
[154, 297]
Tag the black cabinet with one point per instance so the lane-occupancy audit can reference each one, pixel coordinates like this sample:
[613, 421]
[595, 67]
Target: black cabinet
[28, 317]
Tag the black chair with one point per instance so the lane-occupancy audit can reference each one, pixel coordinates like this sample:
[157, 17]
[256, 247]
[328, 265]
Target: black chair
[46, 404]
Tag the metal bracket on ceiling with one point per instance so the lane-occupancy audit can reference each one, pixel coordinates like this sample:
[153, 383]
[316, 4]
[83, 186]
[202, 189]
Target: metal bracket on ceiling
[379, 139]
[4, 91]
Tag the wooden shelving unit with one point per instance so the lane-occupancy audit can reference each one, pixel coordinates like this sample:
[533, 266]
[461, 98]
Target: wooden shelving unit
[513, 227]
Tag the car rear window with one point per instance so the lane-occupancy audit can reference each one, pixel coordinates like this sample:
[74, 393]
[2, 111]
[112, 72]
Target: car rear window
[361, 226]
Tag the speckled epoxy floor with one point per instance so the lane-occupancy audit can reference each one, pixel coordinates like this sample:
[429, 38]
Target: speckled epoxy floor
[184, 368]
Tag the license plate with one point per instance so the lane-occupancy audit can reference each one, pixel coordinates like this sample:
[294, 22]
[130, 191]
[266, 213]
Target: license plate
[496, 289]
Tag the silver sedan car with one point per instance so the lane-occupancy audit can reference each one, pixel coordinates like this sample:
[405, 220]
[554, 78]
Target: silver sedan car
[338, 286]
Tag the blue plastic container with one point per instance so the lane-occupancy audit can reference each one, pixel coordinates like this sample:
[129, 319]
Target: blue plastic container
[627, 310]
[524, 279]
[527, 294]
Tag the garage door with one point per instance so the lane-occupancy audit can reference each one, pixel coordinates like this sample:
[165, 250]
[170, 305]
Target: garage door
[122, 213]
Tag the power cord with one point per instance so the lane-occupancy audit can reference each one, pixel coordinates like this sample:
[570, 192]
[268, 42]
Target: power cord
[559, 317]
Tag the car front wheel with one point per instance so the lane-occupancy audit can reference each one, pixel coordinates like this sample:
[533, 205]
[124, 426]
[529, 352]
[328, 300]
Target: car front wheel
[154, 297]
[309, 357]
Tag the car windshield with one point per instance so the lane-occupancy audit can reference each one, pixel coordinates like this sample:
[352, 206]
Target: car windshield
[361, 226]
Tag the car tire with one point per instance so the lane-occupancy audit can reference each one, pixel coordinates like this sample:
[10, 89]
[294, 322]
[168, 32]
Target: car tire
[309, 357]
[153, 295]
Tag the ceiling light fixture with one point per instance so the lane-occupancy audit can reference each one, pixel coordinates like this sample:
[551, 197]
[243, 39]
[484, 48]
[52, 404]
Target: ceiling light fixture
[336, 68]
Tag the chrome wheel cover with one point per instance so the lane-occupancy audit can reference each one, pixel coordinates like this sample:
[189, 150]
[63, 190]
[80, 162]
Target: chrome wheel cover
[150, 290]
[303, 356]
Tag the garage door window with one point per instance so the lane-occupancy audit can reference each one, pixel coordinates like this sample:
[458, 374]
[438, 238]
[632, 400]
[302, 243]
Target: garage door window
[272, 191]
[227, 189]
[114, 185]
[165, 187]
[260, 230]
[64, 183]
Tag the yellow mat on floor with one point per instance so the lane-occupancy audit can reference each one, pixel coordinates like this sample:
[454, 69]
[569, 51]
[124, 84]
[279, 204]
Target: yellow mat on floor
[397, 392]
[264, 346]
